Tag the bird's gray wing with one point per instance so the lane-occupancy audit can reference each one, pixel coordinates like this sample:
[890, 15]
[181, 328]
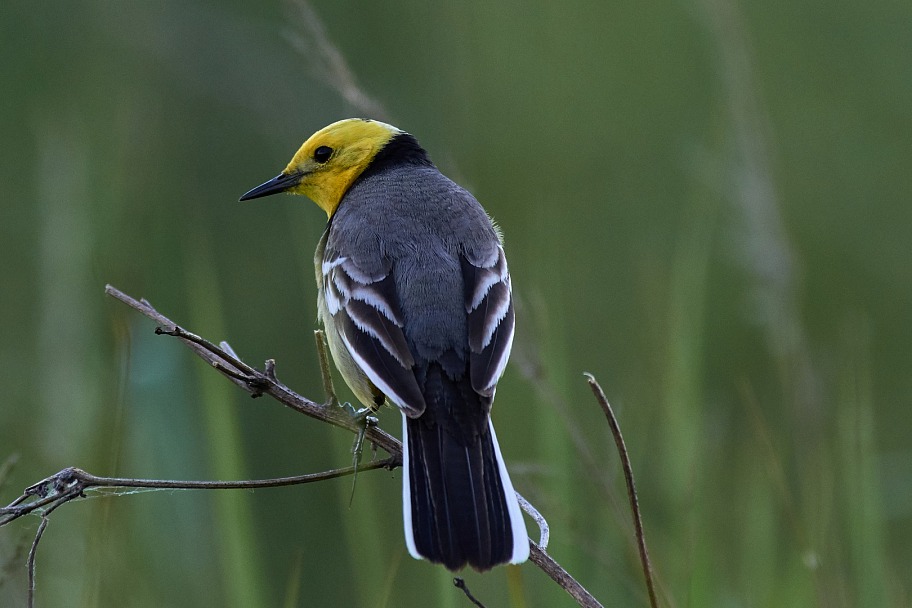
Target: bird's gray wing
[365, 307]
[489, 306]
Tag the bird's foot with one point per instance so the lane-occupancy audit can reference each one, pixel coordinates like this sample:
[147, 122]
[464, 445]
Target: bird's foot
[363, 419]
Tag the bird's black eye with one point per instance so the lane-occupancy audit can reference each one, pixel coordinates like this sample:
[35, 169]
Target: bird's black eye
[322, 154]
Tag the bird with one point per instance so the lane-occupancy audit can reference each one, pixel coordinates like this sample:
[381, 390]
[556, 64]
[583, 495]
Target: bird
[416, 300]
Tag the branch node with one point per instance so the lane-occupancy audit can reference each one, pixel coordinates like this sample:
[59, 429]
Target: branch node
[168, 331]
[270, 370]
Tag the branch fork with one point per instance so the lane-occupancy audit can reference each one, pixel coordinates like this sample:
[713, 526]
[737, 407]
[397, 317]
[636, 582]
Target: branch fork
[71, 483]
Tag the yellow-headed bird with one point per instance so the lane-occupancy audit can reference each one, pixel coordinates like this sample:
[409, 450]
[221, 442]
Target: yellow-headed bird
[416, 300]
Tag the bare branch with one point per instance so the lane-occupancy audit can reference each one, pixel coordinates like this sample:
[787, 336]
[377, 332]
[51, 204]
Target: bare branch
[631, 487]
[72, 483]
[540, 558]
[34, 550]
[31, 560]
[460, 584]
[256, 382]
[277, 390]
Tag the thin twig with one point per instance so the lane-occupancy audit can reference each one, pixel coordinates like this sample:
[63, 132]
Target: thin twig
[540, 558]
[257, 382]
[31, 561]
[33, 551]
[543, 529]
[177, 331]
[459, 583]
[393, 446]
[71, 483]
[631, 486]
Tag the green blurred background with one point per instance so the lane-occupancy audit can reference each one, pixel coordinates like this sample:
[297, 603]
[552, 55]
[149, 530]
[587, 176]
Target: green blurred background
[706, 204]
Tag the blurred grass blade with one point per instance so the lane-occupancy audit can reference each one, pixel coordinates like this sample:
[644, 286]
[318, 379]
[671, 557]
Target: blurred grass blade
[239, 552]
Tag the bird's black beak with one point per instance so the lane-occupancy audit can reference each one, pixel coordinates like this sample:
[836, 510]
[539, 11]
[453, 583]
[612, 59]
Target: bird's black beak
[279, 183]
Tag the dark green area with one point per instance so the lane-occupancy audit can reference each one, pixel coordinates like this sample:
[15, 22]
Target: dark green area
[705, 204]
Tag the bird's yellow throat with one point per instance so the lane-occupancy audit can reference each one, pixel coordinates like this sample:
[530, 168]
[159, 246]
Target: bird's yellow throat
[352, 143]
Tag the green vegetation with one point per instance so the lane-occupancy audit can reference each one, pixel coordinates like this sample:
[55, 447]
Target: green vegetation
[706, 205]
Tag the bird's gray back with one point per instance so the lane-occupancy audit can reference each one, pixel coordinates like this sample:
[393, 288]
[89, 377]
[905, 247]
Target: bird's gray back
[416, 223]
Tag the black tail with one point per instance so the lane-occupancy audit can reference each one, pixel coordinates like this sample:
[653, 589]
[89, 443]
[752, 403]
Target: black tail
[459, 503]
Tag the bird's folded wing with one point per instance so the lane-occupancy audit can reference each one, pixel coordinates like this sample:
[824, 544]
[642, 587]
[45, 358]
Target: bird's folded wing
[367, 314]
[489, 305]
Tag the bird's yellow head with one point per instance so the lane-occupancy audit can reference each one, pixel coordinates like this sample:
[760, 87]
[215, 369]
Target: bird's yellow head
[329, 162]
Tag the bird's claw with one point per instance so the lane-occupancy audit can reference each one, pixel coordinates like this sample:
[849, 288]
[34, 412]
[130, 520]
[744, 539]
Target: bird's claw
[363, 419]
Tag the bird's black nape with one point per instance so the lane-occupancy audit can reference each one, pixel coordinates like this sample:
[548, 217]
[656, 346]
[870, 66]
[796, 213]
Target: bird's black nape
[403, 148]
